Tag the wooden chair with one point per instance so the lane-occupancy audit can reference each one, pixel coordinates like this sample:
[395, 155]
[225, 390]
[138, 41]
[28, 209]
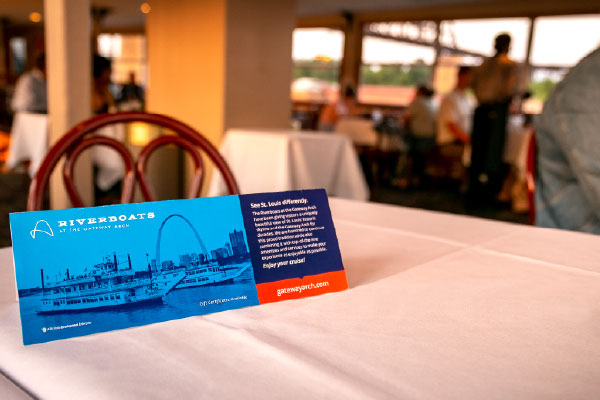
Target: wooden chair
[530, 175]
[81, 137]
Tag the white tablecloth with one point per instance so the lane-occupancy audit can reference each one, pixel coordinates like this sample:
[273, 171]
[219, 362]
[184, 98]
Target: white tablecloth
[359, 130]
[269, 160]
[517, 144]
[28, 140]
[439, 307]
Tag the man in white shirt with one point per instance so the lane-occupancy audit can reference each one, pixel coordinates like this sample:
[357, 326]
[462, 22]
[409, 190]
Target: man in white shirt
[420, 121]
[454, 117]
[454, 125]
[30, 90]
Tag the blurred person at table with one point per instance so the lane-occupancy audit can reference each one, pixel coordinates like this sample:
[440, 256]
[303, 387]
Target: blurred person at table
[30, 90]
[454, 124]
[495, 83]
[419, 119]
[108, 169]
[567, 192]
[344, 106]
[102, 99]
[132, 95]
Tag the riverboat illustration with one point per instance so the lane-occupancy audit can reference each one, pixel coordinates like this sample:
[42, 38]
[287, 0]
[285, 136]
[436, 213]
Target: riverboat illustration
[212, 273]
[219, 266]
[106, 285]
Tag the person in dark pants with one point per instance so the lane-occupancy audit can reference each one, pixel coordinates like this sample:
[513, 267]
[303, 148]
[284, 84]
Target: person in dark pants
[494, 85]
[489, 132]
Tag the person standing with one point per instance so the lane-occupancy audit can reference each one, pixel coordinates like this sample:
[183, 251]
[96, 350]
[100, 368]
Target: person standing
[108, 165]
[102, 99]
[494, 85]
[30, 90]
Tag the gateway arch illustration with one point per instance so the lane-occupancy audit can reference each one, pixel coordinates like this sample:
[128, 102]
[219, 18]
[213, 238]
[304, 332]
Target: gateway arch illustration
[184, 219]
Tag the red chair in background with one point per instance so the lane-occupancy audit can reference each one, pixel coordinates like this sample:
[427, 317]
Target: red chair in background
[530, 176]
[81, 137]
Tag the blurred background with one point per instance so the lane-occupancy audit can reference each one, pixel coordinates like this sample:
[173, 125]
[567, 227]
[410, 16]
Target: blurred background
[219, 65]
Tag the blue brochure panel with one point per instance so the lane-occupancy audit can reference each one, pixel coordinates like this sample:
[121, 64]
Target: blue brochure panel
[87, 270]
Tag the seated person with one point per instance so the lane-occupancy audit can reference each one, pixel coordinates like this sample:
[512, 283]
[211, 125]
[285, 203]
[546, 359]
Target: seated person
[30, 91]
[454, 121]
[567, 191]
[346, 105]
[419, 120]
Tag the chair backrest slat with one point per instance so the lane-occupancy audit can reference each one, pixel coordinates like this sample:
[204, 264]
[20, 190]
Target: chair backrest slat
[76, 140]
[73, 154]
[144, 156]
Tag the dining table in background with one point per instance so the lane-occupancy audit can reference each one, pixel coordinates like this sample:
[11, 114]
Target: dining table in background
[279, 160]
[359, 130]
[516, 147]
[439, 306]
[518, 136]
[28, 141]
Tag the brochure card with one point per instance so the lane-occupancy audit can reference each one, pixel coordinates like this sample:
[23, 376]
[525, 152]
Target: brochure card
[86, 270]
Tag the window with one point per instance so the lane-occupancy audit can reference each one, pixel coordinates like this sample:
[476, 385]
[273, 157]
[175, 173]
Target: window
[399, 56]
[316, 53]
[477, 36]
[396, 57]
[467, 42]
[558, 44]
[128, 54]
[563, 41]
[17, 55]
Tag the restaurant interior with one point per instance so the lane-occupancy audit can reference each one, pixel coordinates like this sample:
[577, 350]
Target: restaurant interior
[196, 73]
[303, 94]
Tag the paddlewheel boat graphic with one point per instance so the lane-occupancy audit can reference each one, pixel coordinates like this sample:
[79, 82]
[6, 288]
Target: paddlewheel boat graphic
[106, 285]
[211, 273]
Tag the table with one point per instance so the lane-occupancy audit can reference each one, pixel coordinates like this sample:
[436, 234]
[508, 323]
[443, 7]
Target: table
[439, 307]
[516, 147]
[359, 130]
[28, 140]
[517, 144]
[275, 160]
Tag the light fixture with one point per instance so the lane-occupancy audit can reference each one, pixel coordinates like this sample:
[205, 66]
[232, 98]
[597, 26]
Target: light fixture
[35, 16]
[139, 134]
[145, 8]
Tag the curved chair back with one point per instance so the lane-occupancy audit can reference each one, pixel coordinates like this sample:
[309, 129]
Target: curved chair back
[80, 138]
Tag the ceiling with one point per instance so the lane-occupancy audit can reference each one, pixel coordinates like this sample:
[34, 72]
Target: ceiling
[126, 13]
[123, 13]
[329, 7]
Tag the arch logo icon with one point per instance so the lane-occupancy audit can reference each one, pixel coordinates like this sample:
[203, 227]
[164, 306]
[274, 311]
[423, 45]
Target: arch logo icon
[41, 226]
